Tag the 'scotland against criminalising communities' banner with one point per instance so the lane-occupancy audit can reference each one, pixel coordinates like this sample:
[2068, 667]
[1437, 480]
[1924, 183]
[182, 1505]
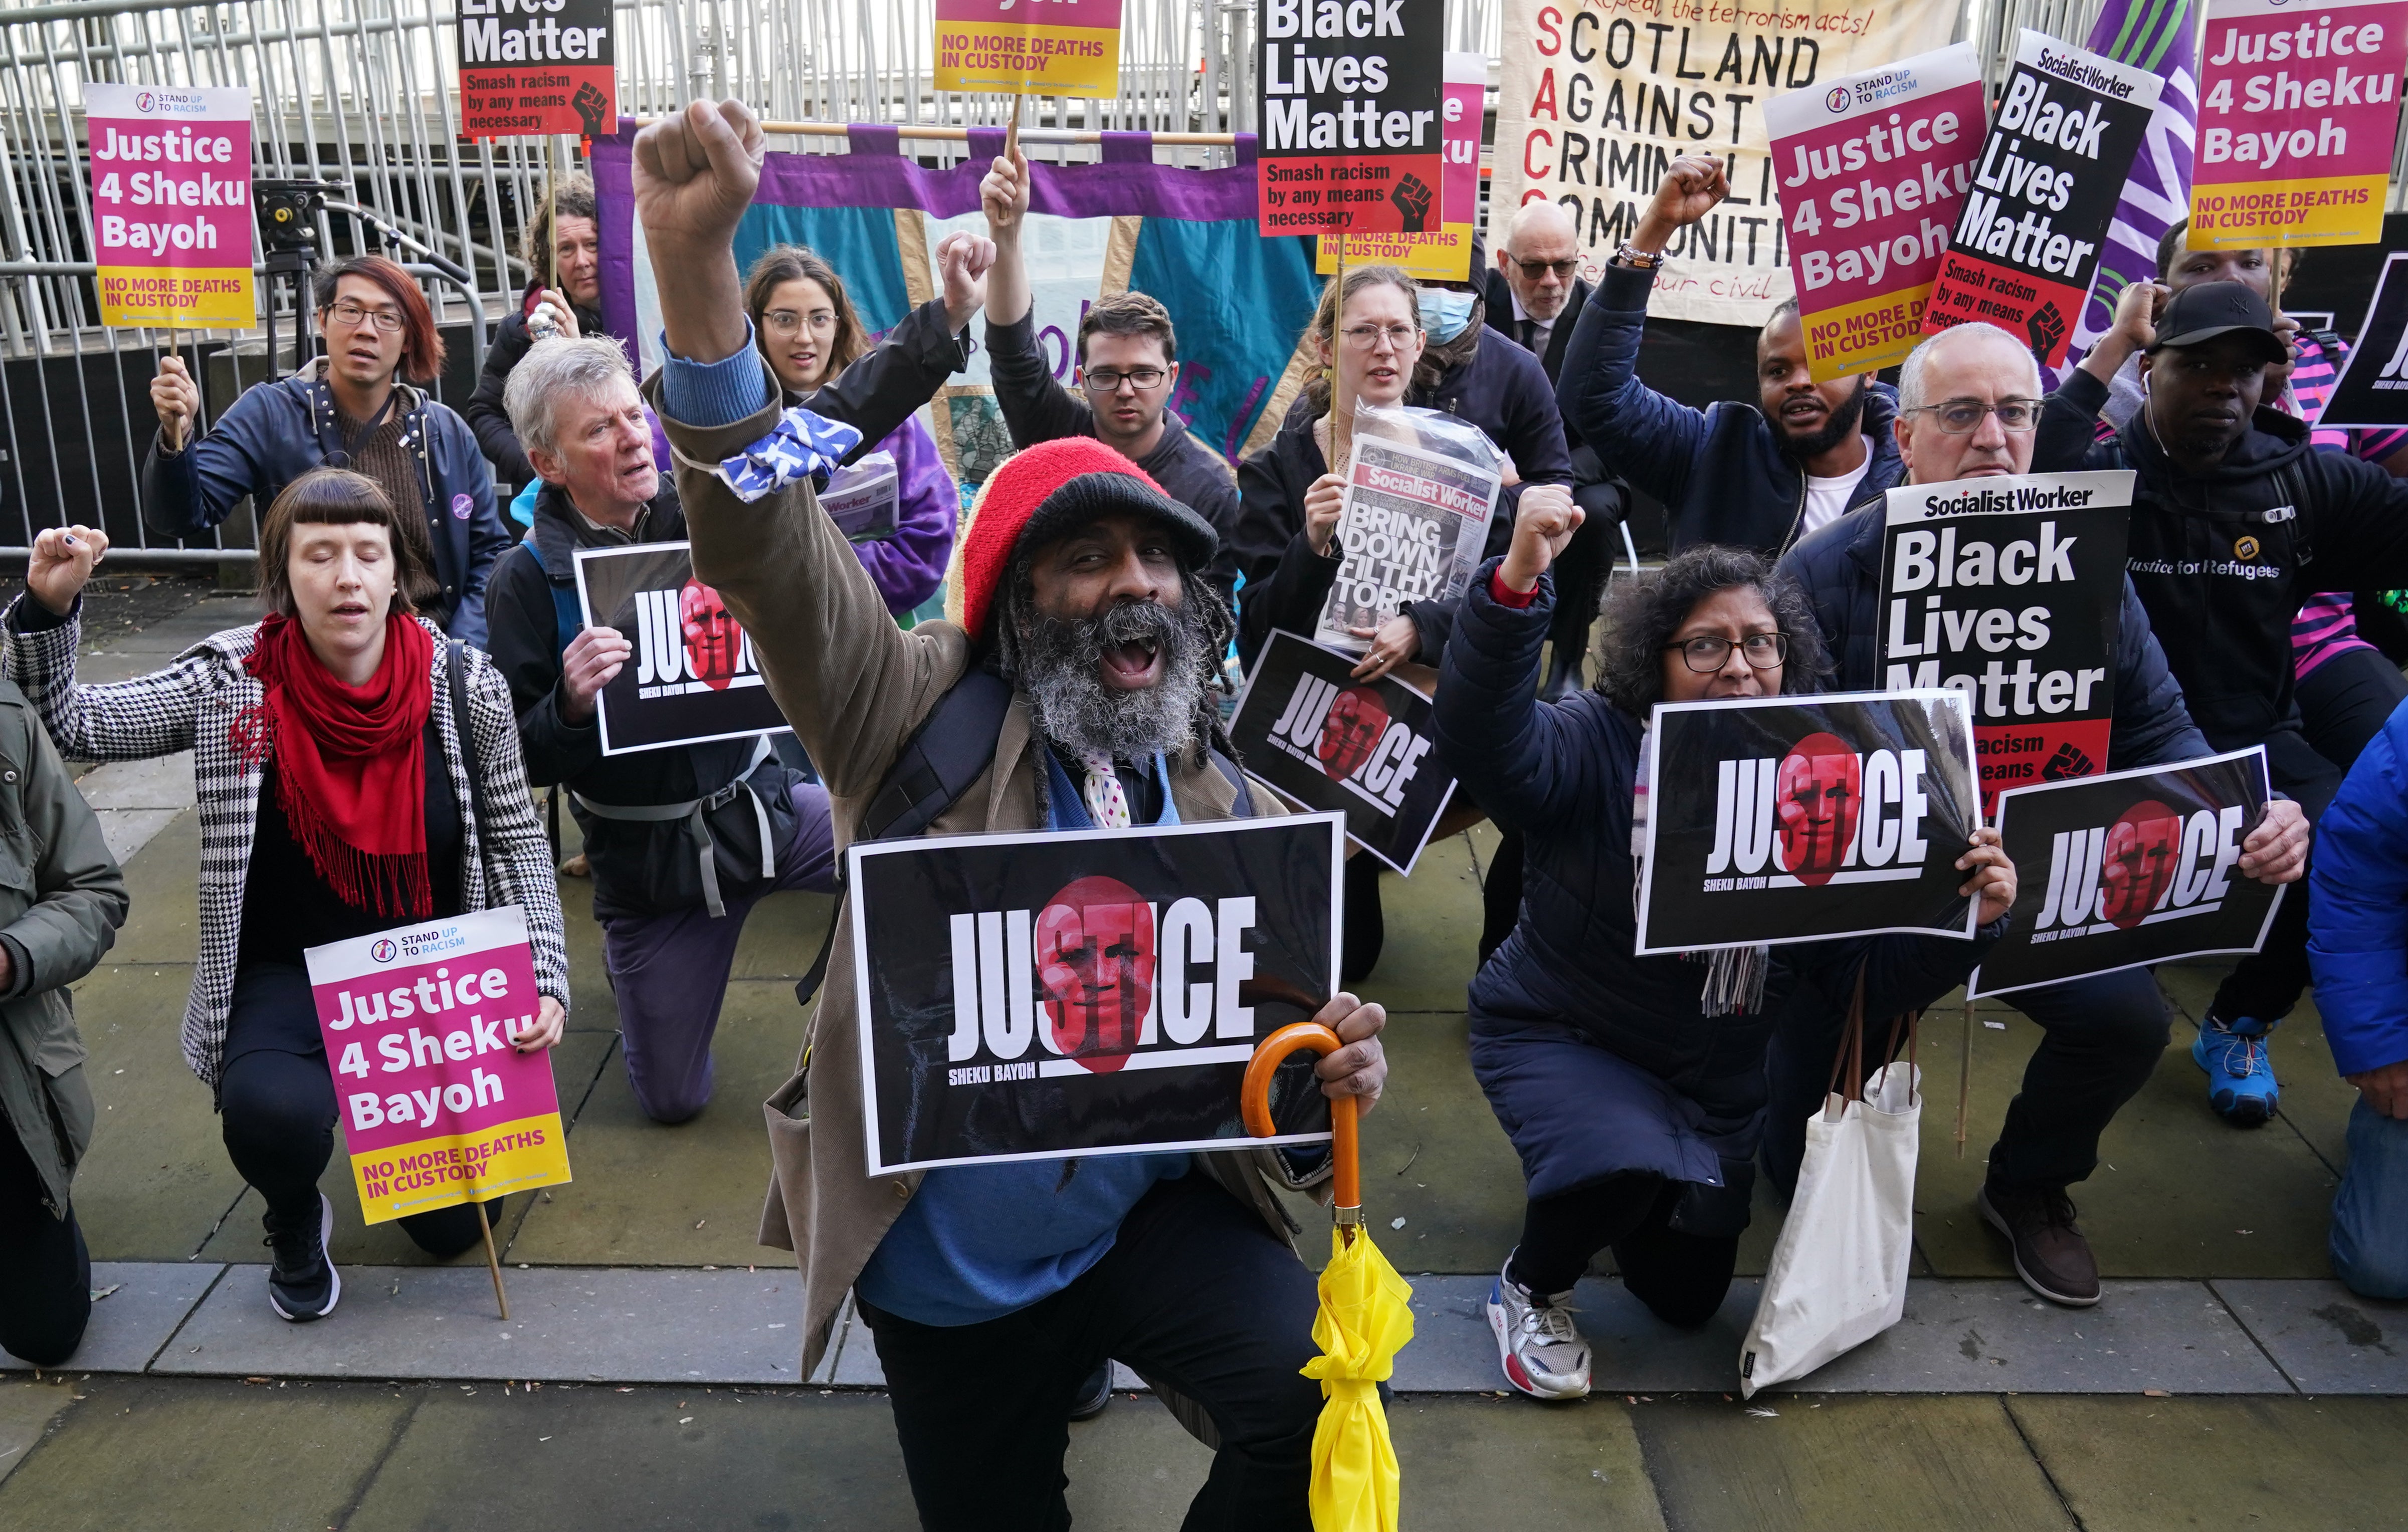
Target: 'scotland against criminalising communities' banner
[1443, 255]
[1187, 238]
[1801, 819]
[437, 1108]
[2044, 191]
[1352, 94]
[2296, 126]
[1041, 995]
[2132, 868]
[2373, 388]
[1360, 747]
[1595, 97]
[1054, 47]
[2012, 590]
[692, 679]
[1872, 173]
[171, 217]
[1421, 488]
[537, 66]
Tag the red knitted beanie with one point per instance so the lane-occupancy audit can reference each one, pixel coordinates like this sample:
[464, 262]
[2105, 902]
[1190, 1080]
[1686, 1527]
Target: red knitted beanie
[1056, 487]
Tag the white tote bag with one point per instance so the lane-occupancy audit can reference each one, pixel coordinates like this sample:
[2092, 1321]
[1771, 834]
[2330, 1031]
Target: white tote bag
[1838, 1276]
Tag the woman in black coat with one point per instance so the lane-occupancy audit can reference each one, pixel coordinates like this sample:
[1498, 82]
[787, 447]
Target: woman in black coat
[1633, 1087]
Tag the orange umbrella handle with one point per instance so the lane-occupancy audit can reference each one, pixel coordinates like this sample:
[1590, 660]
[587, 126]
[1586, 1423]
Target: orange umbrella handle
[1254, 1105]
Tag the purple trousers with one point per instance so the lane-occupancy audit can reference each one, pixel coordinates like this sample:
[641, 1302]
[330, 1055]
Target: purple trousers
[669, 971]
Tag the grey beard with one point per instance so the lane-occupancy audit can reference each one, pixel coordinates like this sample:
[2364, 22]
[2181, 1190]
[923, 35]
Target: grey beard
[1059, 663]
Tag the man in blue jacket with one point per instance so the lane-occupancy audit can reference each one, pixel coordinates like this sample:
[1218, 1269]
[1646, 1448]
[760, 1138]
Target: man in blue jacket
[2357, 944]
[351, 409]
[1969, 401]
[1761, 476]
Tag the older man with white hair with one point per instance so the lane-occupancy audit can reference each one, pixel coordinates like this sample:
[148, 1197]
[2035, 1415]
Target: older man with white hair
[675, 836]
[1969, 401]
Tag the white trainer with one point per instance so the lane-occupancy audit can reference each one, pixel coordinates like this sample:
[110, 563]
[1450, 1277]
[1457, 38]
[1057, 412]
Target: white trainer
[1540, 1348]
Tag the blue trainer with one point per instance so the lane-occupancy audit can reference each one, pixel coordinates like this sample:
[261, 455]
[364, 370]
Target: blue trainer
[2240, 1074]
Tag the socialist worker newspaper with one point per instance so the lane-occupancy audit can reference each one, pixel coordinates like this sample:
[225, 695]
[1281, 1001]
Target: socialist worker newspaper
[1421, 486]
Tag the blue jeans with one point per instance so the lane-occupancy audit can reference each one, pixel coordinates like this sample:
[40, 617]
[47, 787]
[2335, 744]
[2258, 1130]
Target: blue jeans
[2370, 1216]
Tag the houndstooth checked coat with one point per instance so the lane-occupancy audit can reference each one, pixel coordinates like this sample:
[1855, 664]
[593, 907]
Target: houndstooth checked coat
[191, 704]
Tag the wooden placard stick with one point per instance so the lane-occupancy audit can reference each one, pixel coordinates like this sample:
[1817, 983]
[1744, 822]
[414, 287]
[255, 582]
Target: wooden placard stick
[552, 211]
[1964, 1078]
[493, 1261]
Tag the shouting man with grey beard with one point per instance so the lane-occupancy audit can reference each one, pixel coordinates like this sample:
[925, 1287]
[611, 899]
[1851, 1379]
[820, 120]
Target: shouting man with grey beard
[997, 1292]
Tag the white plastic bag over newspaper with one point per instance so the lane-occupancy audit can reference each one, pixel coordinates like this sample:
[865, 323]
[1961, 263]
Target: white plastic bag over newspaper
[1421, 486]
[861, 498]
[1837, 1275]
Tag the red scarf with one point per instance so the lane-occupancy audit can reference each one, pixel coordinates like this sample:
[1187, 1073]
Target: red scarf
[350, 762]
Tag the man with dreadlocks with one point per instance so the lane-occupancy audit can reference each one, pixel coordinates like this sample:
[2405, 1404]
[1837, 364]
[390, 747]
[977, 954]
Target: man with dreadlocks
[993, 1291]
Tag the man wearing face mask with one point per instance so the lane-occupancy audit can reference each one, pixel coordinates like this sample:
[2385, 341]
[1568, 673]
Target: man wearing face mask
[1759, 476]
[2233, 515]
[1969, 400]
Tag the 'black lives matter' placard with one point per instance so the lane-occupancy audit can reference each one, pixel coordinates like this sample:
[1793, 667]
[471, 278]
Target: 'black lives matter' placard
[535, 66]
[1352, 92]
[2373, 388]
[692, 678]
[2044, 191]
[2012, 591]
[2133, 869]
[1360, 747]
[1048, 996]
[1801, 819]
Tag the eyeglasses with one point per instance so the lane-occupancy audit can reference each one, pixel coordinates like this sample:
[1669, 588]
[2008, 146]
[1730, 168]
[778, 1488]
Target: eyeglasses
[1533, 270]
[1107, 380]
[1708, 653]
[786, 321]
[1367, 338]
[350, 316]
[1960, 417]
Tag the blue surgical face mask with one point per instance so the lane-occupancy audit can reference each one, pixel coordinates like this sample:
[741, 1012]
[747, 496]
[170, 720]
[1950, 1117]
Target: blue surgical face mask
[1446, 312]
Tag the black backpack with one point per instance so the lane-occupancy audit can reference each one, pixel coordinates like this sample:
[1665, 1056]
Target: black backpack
[949, 751]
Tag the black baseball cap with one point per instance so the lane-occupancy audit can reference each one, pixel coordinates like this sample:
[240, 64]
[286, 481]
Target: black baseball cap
[2198, 314]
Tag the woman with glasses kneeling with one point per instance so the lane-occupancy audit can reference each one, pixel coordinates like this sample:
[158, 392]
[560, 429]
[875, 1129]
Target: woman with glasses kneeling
[1633, 1087]
[337, 797]
[805, 325]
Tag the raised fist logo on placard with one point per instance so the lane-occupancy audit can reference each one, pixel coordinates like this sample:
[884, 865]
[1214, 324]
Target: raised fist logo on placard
[2046, 327]
[712, 639]
[1815, 798]
[1413, 199]
[591, 108]
[2069, 760]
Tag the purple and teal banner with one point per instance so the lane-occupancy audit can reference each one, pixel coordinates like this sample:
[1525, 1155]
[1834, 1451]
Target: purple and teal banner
[2161, 37]
[1187, 237]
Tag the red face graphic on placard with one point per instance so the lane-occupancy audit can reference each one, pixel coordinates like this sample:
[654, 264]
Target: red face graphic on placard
[1815, 797]
[1357, 720]
[712, 639]
[2139, 861]
[1094, 957]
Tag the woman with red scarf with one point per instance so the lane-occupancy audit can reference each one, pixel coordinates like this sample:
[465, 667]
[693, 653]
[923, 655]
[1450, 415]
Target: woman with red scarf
[337, 799]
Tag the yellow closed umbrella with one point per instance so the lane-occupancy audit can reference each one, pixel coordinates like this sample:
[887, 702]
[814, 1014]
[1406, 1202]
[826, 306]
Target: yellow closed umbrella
[1365, 1316]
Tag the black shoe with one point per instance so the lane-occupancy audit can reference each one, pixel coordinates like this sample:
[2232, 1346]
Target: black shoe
[1093, 1394]
[1564, 677]
[302, 1284]
[1366, 927]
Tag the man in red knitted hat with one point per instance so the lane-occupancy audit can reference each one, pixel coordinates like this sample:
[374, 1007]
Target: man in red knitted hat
[995, 1291]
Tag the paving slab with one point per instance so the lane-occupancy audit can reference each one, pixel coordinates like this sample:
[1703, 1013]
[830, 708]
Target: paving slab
[162, 882]
[580, 1458]
[621, 1326]
[2316, 1099]
[156, 1179]
[2325, 1338]
[1631, 1351]
[2302, 1465]
[27, 1408]
[688, 1194]
[198, 1457]
[128, 1327]
[163, 781]
[2178, 1192]
[781, 938]
[1863, 1464]
[1433, 932]
[1490, 1463]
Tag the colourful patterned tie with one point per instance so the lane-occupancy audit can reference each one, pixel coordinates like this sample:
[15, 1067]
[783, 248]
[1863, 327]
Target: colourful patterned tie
[1107, 804]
